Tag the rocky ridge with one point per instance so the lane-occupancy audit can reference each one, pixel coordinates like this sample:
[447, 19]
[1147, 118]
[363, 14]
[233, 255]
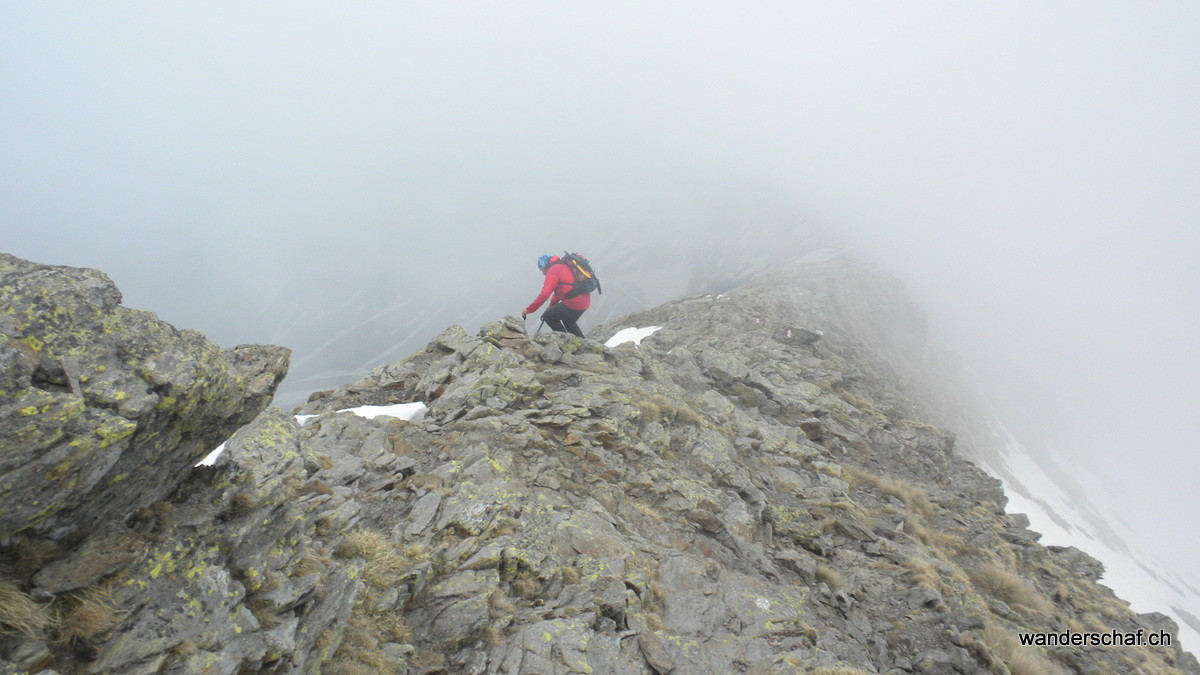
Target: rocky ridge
[756, 488]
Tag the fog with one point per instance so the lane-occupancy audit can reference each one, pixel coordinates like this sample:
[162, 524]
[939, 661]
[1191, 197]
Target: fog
[1031, 171]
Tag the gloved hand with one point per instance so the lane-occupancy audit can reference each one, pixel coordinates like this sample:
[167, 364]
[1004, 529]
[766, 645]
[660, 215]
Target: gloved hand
[524, 314]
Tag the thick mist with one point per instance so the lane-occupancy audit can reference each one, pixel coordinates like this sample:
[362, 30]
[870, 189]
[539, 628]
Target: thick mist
[1032, 171]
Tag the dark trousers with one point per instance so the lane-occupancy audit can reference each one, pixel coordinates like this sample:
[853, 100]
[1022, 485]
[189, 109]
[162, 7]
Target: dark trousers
[563, 319]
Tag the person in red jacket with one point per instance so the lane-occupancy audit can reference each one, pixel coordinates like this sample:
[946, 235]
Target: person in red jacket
[563, 313]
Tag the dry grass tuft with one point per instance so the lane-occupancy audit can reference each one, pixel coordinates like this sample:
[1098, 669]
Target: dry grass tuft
[655, 600]
[648, 511]
[912, 496]
[1020, 660]
[828, 576]
[90, 614]
[923, 574]
[653, 408]
[417, 553]
[1009, 588]
[310, 563]
[183, 649]
[362, 544]
[656, 407]
[242, 503]
[20, 613]
[570, 575]
[384, 570]
[857, 401]
[502, 526]
[946, 545]
[385, 564]
[526, 587]
[371, 625]
[499, 605]
[687, 415]
[316, 486]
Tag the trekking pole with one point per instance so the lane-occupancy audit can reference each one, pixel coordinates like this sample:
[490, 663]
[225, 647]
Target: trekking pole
[543, 323]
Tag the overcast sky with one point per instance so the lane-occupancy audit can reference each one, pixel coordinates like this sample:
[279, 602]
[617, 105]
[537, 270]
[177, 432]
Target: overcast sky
[1031, 169]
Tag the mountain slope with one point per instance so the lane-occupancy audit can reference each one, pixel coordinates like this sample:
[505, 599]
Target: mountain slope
[757, 487]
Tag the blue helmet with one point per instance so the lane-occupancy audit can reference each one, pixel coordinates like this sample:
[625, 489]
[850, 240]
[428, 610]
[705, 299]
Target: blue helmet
[543, 261]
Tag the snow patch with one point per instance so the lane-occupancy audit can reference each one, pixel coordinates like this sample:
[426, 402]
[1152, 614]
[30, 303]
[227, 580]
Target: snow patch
[634, 335]
[1052, 514]
[211, 458]
[413, 412]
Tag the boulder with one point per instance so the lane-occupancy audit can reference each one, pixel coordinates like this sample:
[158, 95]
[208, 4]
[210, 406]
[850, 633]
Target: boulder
[106, 407]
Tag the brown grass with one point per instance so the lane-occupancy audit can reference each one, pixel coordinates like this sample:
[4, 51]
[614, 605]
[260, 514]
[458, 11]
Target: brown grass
[570, 575]
[923, 574]
[648, 511]
[309, 563]
[947, 545]
[830, 577]
[526, 587]
[856, 401]
[360, 650]
[90, 614]
[1019, 659]
[499, 605]
[385, 564]
[1009, 588]
[242, 503]
[183, 649]
[656, 407]
[362, 543]
[912, 496]
[20, 613]
[316, 487]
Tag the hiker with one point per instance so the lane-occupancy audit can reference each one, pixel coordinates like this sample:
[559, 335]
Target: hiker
[567, 302]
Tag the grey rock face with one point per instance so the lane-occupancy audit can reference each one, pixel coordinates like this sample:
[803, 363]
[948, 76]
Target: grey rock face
[105, 407]
[727, 497]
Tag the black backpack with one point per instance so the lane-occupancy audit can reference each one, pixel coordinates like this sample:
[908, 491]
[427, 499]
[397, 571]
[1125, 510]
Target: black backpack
[585, 276]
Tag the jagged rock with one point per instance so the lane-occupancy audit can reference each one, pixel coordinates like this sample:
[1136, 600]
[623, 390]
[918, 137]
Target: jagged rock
[105, 406]
[1078, 561]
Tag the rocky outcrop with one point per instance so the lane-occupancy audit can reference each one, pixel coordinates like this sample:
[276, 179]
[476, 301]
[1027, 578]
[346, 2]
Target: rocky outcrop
[753, 489]
[106, 406]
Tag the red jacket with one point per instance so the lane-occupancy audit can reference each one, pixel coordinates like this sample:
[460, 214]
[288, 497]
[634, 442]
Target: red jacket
[558, 283]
